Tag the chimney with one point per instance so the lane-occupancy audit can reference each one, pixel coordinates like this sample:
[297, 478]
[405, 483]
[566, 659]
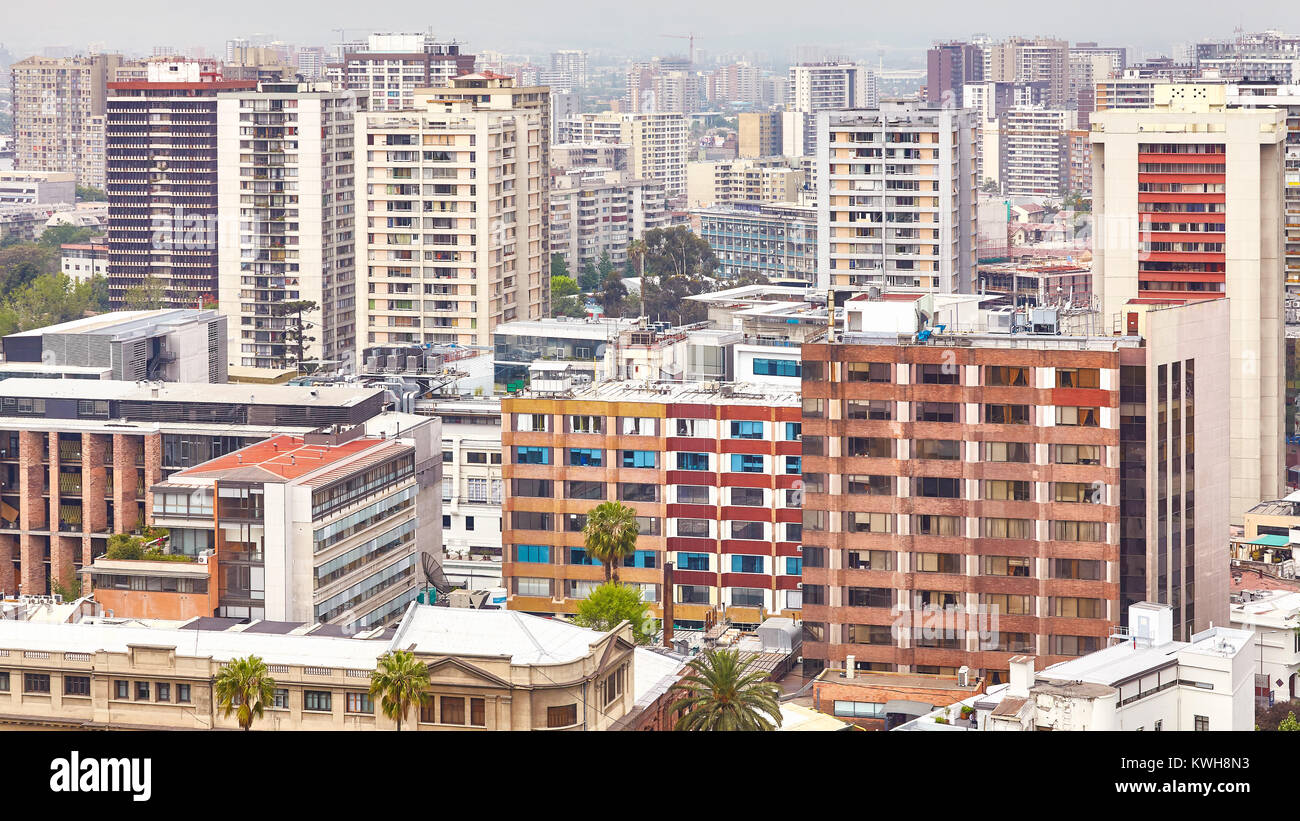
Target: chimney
[668, 605]
[1021, 677]
[850, 666]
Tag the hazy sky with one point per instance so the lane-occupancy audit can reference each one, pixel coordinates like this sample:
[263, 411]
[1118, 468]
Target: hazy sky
[762, 27]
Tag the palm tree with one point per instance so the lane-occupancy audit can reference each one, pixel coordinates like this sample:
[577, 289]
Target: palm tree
[637, 248]
[400, 680]
[610, 535]
[720, 695]
[244, 684]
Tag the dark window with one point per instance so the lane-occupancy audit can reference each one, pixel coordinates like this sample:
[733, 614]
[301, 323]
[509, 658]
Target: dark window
[142, 691]
[478, 712]
[76, 685]
[585, 490]
[37, 683]
[747, 496]
[317, 701]
[565, 716]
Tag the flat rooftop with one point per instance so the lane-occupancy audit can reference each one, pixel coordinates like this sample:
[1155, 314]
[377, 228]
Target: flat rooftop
[286, 458]
[123, 323]
[603, 328]
[115, 389]
[697, 393]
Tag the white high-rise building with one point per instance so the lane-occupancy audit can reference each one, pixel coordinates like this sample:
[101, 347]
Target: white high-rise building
[658, 144]
[1034, 151]
[814, 87]
[392, 66]
[285, 194]
[896, 197]
[572, 62]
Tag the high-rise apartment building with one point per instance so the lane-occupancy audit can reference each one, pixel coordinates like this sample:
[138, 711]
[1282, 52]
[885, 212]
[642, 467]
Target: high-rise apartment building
[720, 182]
[986, 483]
[390, 67]
[161, 150]
[1033, 147]
[950, 67]
[594, 212]
[285, 169]
[759, 134]
[1188, 204]
[814, 87]
[740, 83]
[453, 223]
[712, 476]
[896, 197]
[659, 145]
[572, 62]
[58, 114]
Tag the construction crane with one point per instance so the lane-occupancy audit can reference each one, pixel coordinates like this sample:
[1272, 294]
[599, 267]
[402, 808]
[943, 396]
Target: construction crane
[688, 37]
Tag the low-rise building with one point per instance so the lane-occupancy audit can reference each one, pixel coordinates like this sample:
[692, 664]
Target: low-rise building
[774, 240]
[1273, 616]
[37, 187]
[471, 491]
[488, 670]
[83, 260]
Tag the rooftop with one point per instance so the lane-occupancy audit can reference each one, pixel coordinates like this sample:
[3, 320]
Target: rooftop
[286, 458]
[601, 328]
[123, 323]
[112, 389]
[702, 393]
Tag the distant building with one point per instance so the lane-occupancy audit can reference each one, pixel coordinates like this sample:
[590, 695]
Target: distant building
[37, 187]
[774, 240]
[388, 69]
[83, 261]
[759, 134]
[723, 182]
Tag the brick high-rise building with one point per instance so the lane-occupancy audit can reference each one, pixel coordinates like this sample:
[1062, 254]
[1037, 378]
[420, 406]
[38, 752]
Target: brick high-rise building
[1041, 480]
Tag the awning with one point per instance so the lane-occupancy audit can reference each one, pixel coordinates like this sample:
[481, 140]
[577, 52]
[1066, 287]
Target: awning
[1272, 540]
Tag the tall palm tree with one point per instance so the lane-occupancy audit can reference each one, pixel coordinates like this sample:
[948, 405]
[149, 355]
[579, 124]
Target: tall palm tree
[637, 248]
[610, 535]
[400, 680]
[243, 685]
[720, 695]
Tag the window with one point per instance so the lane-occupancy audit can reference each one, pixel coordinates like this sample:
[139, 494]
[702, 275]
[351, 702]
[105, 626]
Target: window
[638, 458]
[163, 692]
[693, 561]
[880, 634]
[40, 683]
[937, 487]
[692, 494]
[747, 496]
[565, 716]
[876, 448]
[532, 587]
[533, 553]
[1074, 645]
[1082, 417]
[586, 424]
[747, 530]
[1077, 454]
[1006, 376]
[861, 522]
[1079, 531]
[692, 427]
[1009, 452]
[612, 687]
[636, 426]
[694, 594]
[1086, 569]
[940, 374]
[746, 430]
[1079, 492]
[869, 409]
[998, 528]
[692, 461]
[793, 566]
[937, 411]
[868, 559]
[746, 564]
[937, 563]
[746, 463]
[531, 520]
[793, 431]
[929, 525]
[1007, 415]
[586, 457]
[814, 408]
[532, 456]
[946, 449]
[777, 367]
[695, 528]
[1007, 490]
[1077, 608]
[1006, 566]
[121, 689]
[1078, 378]
[317, 701]
[869, 372]
[793, 464]
[584, 490]
[536, 488]
[452, 709]
[868, 597]
[478, 712]
[142, 691]
[530, 422]
[76, 685]
[4, 682]
[183, 693]
[281, 698]
[1007, 604]
[869, 485]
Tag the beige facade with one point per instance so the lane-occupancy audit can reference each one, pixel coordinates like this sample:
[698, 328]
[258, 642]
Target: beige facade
[759, 134]
[658, 144]
[111, 676]
[1241, 152]
[722, 182]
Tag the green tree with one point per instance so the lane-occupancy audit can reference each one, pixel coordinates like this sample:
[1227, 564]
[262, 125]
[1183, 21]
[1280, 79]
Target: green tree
[1290, 723]
[295, 330]
[559, 268]
[610, 605]
[57, 235]
[70, 587]
[589, 278]
[85, 193]
[48, 300]
[678, 251]
[400, 680]
[244, 685]
[612, 292]
[568, 306]
[22, 262]
[148, 295]
[721, 695]
[124, 546]
[991, 186]
[606, 265]
[610, 535]
[562, 286]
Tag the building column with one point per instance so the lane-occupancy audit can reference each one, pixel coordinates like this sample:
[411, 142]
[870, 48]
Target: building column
[125, 448]
[8, 551]
[94, 483]
[32, 511]
[152, 471]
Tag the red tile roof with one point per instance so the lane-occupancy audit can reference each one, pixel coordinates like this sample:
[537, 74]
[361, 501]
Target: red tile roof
[286, 457]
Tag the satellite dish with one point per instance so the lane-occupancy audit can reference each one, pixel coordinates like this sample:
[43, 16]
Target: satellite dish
[433, 575]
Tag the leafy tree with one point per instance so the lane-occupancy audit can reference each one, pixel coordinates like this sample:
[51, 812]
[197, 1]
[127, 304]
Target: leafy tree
[678, 251]
[589, 279]
[57, 235]
[400, 680]
[1290, 723]
[562, 286]
[611, 604]
[244, 684]
[610, 535]
[47, 300]
[721, 695]
[124, 546]
[612, 292]
[149, 295]
[1075, 201]
[70, 587]
[568, 306]
[991, 186]
[85, 193]
[22, 262]
[295, 330]
[559, 267]
[606, 265]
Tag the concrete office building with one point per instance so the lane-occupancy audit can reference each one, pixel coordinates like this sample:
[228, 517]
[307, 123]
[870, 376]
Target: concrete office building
[166, 345]
[1025, 478]
[710, 472]
[285, 169]
[759, 134]
[472, 491]
[896, 198]
[455, 217]
[1192, 168]
[773, 240]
